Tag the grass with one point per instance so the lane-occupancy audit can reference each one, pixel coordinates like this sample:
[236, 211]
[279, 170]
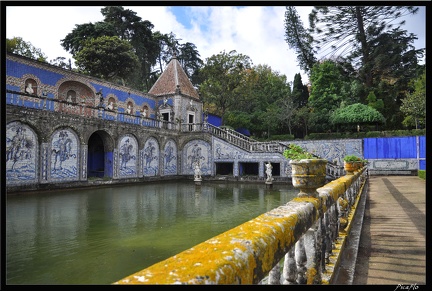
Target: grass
[422, 174]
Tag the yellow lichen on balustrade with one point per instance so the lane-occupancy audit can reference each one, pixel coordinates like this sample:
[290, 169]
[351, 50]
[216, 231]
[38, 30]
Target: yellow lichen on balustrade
[315, 201]
[311, 274]
[336, 188]
[241, 255]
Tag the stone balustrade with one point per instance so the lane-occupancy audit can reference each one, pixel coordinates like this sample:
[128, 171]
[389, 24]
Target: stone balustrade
[296, 243]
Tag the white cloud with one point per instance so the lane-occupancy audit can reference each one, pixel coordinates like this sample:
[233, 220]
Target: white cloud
[46, 26]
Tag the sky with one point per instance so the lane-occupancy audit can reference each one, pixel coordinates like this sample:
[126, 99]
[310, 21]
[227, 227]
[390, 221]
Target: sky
[255, 31]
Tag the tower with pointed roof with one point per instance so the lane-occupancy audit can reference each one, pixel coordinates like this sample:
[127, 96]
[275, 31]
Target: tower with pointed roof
[177, 99]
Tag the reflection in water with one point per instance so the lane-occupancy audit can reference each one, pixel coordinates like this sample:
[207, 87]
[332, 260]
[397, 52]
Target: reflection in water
[98, 236]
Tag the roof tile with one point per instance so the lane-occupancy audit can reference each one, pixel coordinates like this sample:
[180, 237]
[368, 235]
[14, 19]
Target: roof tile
[174, 76]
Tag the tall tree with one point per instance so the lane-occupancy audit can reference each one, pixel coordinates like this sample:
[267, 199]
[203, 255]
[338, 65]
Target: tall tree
[127, 26]
[107, 57]
[154, 50]
[189, 59]
[61, 62]
[341, 30]
[327, 84]
[300, 92]
[18, 46]
[223, 74]
[259, 102]
[299, 39]
[375, 103]
[325, 96]
[130, 27]
[124, 22]
[288, 107]
[168, 46]
[414, 104]
[74, 41]
[301, 119]
[394, 64]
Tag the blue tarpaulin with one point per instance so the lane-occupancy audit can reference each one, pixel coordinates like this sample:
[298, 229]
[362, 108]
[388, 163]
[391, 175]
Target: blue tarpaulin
[244, 131]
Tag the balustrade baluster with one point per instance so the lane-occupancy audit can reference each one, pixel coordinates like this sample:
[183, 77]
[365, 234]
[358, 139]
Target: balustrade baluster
[321, 245]
[274, 275]
[300, 257]
[313, 268]
[327, 238]
[289, 272]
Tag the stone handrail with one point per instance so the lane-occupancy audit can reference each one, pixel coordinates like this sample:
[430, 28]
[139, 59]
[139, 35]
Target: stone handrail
[304, 238]
[334, 171]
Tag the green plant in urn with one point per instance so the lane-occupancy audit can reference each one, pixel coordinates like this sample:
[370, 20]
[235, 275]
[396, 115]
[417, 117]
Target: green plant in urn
[352, 163]
[308, 170]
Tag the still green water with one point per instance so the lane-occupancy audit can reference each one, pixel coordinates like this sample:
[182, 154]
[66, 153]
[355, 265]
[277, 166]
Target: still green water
[99, 236]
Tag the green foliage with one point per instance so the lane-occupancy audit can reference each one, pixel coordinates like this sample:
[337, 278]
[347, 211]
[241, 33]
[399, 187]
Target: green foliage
[394, 61]
[20, 47]
[422, 174]
[342, 135]
[107, 58]
[224, 75]
[356, 114]
[352, 158]
[300, 93]
[283, 137]
[414, 104]
[373, 102]
[238, 119]
[263, 103]
[327, 84]
[189, 59]
[301, 120]
[296, 152]
[417, 132]
[153, 50]
[60, 62]
[373, 134]
[384, 57]
[327, 93]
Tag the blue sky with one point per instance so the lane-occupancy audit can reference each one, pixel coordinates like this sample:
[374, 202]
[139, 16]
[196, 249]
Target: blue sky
[255, 31]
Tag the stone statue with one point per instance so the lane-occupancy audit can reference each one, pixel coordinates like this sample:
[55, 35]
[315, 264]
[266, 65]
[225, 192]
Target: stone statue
[129, 109]
[110, 105]
[29, 88]
[269, 168]
[197, 171]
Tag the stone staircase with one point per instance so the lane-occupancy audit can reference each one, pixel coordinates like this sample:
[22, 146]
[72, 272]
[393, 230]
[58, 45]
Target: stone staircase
[333, 171]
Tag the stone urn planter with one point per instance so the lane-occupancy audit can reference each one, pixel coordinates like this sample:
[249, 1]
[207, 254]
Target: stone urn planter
[350, 167]
[352, 163]
[308, 175]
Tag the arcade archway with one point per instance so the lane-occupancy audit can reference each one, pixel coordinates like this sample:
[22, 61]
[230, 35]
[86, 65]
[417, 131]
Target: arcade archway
[100, 155]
